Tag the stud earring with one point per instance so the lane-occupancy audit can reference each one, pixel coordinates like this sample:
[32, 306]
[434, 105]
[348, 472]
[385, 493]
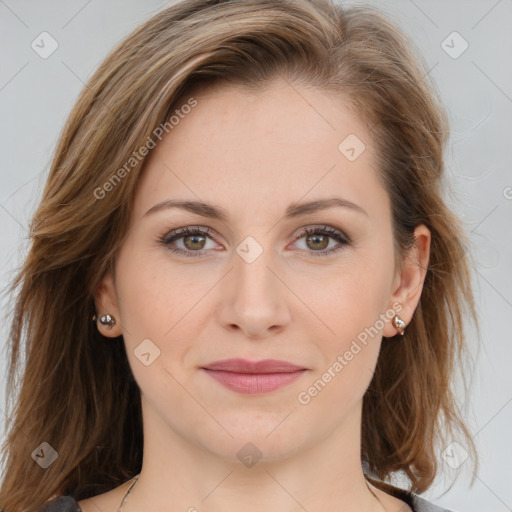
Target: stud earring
[399, 324]
[106, 320]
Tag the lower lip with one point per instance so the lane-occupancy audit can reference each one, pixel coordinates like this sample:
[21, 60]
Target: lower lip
[252, 383]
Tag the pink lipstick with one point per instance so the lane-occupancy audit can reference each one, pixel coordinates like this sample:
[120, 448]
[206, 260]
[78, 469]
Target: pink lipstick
[251, 377]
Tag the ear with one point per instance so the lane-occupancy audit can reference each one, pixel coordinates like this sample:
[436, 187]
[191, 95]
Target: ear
[105, 301]
[408, 283]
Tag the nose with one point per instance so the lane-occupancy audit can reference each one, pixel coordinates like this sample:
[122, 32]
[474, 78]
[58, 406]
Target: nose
[254, 299]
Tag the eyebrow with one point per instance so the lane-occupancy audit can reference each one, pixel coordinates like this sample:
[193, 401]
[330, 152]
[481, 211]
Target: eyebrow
[217, 212]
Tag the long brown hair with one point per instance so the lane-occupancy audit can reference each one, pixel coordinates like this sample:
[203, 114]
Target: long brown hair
[70, 387]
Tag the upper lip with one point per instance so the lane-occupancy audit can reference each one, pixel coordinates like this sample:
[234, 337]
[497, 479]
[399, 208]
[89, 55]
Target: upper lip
[246, 366]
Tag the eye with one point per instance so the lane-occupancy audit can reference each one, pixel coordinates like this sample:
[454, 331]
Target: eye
[191, 241]
[317, 239]
[191, 238]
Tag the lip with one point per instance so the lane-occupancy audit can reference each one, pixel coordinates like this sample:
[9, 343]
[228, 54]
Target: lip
[253, 377]
[246, 366]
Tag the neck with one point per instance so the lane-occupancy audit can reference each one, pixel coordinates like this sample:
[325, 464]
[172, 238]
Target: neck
[327, 476]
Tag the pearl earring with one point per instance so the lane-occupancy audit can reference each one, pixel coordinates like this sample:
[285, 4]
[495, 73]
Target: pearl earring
[399, 324]
[106, 320]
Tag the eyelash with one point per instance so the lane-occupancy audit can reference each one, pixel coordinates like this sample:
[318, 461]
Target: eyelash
[192, 231]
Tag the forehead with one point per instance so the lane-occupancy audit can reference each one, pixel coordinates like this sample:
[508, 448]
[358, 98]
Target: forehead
[257, 147]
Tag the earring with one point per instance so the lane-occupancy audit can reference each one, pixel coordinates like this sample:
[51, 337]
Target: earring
[107, 320]
[399, 324]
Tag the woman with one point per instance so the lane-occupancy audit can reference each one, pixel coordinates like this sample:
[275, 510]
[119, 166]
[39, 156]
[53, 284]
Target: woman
[244, 288]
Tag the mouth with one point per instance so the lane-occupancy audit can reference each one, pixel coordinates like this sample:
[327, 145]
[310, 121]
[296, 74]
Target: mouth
[250, 377]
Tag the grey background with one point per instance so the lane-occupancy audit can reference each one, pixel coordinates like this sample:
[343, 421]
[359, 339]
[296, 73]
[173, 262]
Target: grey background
[37, 94]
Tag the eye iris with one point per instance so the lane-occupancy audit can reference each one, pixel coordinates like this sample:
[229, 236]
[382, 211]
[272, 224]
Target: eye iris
[195, 243]
[323, 244]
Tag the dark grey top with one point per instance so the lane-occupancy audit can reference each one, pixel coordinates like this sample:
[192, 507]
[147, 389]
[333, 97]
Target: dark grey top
[418, 504]
[61, 504]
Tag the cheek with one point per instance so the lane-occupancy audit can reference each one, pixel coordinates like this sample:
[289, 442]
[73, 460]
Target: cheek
[143, 300]
[350, 312]
[150, 297]
[161, 301]
[349, 344]
[347, 299]
[154, 304]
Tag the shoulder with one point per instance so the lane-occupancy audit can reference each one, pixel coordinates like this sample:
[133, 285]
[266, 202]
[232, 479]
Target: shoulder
[416, 502]
[61, 504]
[420, 504]
[105, 502]
[401, 500]
[69, 504]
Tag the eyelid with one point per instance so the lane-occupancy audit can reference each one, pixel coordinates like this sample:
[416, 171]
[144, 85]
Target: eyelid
[176, 234]
[325, 230]
[331, 232]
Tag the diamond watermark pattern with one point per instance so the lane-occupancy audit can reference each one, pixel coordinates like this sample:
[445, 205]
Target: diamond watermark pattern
[249, 249]
[146, 352]
[454, 455]
[352, 147]
[44, 45]
[454, 45]
[249, 455]
[44, 455]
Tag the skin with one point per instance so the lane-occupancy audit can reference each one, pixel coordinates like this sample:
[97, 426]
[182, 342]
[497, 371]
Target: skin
[254, 154]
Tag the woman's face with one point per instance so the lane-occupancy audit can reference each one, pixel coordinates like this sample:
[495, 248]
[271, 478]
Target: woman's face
[254, 285]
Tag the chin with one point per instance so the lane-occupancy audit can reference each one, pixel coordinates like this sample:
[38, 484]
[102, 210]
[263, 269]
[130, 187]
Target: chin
[259, 441]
